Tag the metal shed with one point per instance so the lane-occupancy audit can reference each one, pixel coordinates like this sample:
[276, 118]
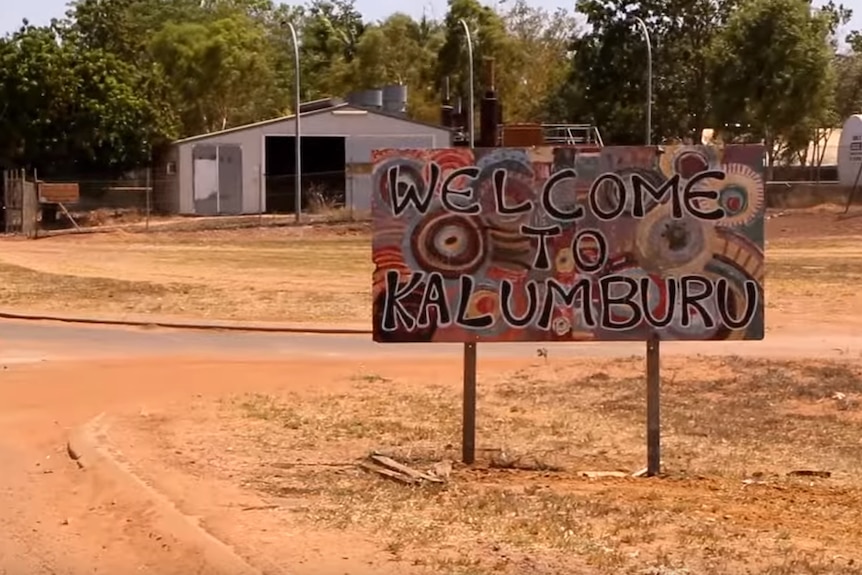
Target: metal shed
[250, 169]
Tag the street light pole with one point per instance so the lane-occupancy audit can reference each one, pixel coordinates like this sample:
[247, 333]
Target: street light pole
[645, 32]
[653, 347]
[297, 181]
[472, 112]
[468, 437]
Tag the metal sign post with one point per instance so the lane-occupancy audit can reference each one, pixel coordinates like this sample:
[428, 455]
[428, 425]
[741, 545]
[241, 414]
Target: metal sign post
[653, 345]
[468, 438]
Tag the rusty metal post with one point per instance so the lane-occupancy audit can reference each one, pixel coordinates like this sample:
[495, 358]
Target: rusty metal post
[468, 439]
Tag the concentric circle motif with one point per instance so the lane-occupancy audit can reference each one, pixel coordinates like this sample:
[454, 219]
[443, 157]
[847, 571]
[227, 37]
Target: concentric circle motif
[665, 244]
[736, 259]
[564, 261]
[449, 244]
[484, 301]
[561, 326]
[452, 158]
[389, 257]
[410, 173]
[686, 160]
[736, 277]
[741, 195]
[736, 303]
[500, 155]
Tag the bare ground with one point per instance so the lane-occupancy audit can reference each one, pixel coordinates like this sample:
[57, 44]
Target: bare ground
[283, 467]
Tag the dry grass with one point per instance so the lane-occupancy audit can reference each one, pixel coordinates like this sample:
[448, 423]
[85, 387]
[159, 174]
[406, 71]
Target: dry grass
[301, 275]
[322, 273]
[732, 430]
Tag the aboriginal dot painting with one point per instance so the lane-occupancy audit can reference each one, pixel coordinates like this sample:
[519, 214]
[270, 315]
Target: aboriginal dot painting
[562, 244]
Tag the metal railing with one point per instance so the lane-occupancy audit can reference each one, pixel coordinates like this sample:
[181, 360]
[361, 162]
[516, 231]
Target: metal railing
[572, 134]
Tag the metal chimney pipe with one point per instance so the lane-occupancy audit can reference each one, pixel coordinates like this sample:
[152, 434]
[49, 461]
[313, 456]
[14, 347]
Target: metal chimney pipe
[489, 75]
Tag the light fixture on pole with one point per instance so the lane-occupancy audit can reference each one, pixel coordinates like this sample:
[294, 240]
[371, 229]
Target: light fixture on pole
[472, 108]
[645, 32]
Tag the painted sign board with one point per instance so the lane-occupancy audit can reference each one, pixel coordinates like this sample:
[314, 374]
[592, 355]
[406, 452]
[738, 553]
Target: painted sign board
[561, 244]
[58, 193]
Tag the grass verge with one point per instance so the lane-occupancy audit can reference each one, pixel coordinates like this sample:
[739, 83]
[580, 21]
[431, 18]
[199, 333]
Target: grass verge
[319, 274]
[263, 275]
[733, 429]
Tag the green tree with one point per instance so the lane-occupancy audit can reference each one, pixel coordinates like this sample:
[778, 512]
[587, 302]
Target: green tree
[221, 72]
[490, 40]
[771, 70]
[331, 32]
[124, 27]
[535, 35]
[73, 109]
[613, 96]
[399, 50]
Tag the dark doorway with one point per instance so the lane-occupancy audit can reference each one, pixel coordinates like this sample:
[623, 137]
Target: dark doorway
[323, 172]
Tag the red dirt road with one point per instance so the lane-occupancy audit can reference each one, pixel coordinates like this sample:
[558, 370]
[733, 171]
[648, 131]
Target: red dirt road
[60, 519]
[68, 520]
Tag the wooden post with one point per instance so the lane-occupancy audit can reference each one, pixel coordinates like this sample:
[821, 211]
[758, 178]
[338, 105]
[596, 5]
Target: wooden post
[149, 193]
[5, 207]
[29, 207]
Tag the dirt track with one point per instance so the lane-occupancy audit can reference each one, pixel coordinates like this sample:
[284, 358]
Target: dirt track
[61, 519]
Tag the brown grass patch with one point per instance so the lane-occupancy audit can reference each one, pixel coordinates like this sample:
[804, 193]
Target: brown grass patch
[733, 428]
[322, 273]
[299, 275]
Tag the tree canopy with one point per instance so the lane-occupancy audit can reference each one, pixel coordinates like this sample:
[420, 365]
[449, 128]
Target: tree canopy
[101, 87]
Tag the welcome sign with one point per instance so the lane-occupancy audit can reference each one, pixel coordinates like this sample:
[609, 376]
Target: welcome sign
[553, 244]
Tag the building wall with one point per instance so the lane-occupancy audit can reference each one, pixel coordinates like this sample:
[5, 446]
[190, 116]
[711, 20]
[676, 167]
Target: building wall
[358, 150]
[367, 128]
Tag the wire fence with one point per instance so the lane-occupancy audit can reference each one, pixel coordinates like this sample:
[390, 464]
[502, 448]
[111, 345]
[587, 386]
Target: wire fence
[156, 193]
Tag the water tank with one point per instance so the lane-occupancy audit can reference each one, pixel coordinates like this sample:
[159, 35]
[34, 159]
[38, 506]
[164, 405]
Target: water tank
[367, 99]
[395, 99]
[850, 151]
[523, 135]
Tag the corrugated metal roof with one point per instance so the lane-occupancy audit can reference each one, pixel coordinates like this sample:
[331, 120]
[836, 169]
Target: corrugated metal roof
[310, 109]
[305, 109]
